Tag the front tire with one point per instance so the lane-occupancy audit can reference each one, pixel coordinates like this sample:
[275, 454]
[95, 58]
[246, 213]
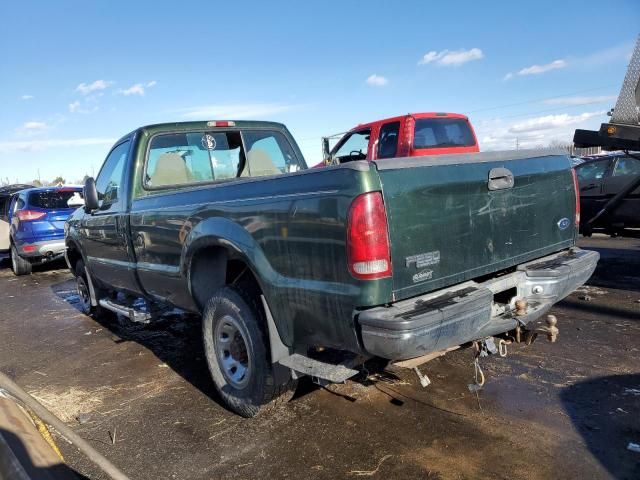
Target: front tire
[19, 265]
[238, 356]
[82, 287]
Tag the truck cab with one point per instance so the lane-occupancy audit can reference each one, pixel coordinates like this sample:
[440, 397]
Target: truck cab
[411, 135]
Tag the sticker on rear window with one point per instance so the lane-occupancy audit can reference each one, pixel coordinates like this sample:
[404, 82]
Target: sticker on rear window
[208, 142]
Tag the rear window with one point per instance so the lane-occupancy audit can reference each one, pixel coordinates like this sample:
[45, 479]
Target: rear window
[56, 199]
[442, 132]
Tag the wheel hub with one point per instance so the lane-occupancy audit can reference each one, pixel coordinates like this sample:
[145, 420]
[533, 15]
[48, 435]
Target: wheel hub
[233, 354]
[83, 293]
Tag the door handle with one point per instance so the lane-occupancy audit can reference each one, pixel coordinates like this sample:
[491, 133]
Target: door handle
[589, 187]
[500, 178]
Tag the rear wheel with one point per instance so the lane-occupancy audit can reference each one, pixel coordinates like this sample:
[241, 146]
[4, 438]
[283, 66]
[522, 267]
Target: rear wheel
[19, 265]
[238, 356]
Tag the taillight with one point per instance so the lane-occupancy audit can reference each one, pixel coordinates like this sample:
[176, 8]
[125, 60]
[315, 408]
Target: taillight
[576, 188]
[29, 215]
[368, 255]
[404, 146]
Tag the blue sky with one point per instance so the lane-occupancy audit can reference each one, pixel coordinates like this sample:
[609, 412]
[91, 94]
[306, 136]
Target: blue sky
[77, 75]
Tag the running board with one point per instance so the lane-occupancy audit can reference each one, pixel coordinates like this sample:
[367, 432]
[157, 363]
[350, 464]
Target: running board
[321, 372]
[132, 314]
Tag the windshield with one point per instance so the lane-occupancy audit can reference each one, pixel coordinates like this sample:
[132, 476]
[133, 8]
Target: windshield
[442, 132]
[56, 199]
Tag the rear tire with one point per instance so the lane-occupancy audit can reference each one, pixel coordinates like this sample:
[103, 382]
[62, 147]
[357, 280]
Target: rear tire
[19, 265]
[236, 347]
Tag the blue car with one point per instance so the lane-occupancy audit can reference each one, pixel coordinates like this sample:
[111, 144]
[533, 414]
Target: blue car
[37, 217]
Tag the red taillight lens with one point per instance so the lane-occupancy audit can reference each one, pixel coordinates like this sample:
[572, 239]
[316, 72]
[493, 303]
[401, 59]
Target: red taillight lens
[29, 215]
[404, 147]
[576, 188]
[368, 253]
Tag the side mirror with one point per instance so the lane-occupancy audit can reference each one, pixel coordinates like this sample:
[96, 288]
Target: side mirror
[90, 195]
[326, 155]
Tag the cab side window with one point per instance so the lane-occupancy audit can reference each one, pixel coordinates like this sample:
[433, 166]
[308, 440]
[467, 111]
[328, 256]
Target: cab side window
[626, 166]
[592, 170]
[110, 178]
[388, 143]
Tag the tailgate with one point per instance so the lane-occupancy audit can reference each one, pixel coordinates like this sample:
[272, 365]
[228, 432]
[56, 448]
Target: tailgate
[448, 223]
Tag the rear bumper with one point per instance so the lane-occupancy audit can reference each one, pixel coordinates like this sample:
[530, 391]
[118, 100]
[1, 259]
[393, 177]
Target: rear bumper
[42, 249]
[466, 312]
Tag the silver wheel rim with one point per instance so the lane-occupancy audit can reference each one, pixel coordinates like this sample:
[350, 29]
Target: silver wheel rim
[83, 293]
[232, 352]
[14, 263]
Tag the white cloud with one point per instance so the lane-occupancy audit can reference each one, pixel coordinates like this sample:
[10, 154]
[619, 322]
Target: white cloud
[74, 107]
[27, 97]
[37, 145]
[235, 111]
[137, 89]
[86, 89]
[34, 126]
[549, 122]
[508, 76]
[535, 132]
[377, 80]
[538, 69]
[580, 100]
[451, 58]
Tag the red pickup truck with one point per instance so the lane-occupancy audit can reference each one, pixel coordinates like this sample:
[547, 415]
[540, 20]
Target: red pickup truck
[411, 135]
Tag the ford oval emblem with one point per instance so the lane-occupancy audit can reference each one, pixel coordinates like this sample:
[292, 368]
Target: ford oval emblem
[564, 223]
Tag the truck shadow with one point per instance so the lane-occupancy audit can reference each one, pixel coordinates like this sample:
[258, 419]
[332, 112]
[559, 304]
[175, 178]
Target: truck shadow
[174, 337]
[606, 412]
[604, 310]
[617, 268]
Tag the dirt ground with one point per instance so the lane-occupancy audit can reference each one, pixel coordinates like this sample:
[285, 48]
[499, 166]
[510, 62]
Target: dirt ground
[142, 396]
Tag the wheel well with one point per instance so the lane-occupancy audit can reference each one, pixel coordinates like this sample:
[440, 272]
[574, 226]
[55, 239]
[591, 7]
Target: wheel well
[214, 267]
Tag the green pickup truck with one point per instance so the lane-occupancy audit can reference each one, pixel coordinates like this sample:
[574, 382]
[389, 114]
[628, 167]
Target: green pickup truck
[395, 258]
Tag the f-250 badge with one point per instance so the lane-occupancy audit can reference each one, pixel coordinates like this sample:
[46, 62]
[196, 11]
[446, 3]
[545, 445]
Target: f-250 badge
[422, 260]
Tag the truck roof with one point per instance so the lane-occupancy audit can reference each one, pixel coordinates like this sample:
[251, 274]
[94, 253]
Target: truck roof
[414, 115]
[209, 124]
[204, 125]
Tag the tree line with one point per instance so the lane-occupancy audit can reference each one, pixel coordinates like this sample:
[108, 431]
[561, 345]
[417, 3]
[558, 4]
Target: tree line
[59, 180]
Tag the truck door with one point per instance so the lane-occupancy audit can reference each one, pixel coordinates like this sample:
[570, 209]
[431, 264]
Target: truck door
[104, 232]
[625, 170]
